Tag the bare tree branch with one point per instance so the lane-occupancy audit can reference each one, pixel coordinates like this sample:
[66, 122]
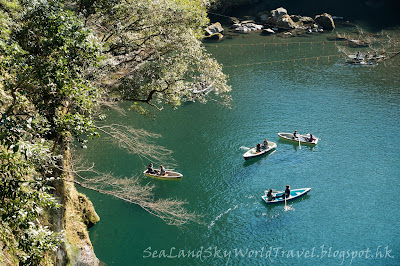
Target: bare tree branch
[172, 211]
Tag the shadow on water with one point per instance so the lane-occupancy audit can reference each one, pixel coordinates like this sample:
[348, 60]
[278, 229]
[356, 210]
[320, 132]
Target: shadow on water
[251, 161]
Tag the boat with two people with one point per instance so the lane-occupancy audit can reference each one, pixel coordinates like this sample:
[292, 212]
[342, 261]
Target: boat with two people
[259, 150]
[306, 139]
[162, 173]
[273, 197]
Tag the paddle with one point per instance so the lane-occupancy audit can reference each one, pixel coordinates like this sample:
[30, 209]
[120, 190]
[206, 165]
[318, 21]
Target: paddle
[285, 202]
[299, 143]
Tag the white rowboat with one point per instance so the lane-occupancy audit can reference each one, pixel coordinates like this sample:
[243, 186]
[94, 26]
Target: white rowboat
[304, 139]
[253, 153]
[169, 175]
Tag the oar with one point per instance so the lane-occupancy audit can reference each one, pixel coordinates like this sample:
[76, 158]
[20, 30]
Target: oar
[299, 143]
[285, 202]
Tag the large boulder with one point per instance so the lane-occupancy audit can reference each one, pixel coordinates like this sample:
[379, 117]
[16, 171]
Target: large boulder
[280, 18]
[286, 22]
[214, 28]
[325, 20]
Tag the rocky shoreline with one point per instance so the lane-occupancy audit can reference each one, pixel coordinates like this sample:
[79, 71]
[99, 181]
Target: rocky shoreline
[277, 21]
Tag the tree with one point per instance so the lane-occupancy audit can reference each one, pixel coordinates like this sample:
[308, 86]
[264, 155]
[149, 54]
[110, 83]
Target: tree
[45, 96]
[153, 52]
[58, 66]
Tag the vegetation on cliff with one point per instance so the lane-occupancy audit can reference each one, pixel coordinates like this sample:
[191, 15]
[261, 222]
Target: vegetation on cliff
[59, 62]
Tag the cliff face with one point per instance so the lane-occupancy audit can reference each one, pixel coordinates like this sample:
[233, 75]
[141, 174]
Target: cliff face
[75, 216]
[71, 220]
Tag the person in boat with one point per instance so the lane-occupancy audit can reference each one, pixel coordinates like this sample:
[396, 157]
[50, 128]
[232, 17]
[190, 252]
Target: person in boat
[358, 55]
[311, 138]
[375, 54]
[295, 136]
[265, 144]
[270, 195]
[162, 170]
[367, 55]
[258, 147]
[287, 191]
[150, 169]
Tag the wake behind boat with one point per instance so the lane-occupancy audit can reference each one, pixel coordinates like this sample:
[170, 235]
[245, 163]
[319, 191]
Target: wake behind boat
[304, 139]
[254, 153]
[278, 196]
[169, 175]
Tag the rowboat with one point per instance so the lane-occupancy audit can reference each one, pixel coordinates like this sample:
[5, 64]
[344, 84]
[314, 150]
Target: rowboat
[294, 194]
[169, 175]
[362, 60]
[253, 153]
[304, 139]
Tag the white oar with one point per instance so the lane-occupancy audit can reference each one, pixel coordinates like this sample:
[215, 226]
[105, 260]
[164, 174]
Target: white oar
[299, 143]
[285, 202]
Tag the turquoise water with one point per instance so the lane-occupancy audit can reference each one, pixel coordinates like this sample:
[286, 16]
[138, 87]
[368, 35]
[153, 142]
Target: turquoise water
[349, 217]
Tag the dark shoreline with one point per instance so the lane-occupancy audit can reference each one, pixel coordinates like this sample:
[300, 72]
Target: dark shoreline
[373, 15]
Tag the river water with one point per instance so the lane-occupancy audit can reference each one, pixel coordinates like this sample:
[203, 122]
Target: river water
[279, 85]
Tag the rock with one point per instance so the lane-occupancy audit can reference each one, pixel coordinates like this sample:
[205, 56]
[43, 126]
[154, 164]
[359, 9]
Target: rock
[215, 36]
[247, 21]
[253, 26]
[234, 20]
[279, 12]
[242, 29]
[286, 22]
[214, 28]
[236, 25]
[89, 215]
[307, 21]
[325, 20]
[295, 18]
[268, 31]
[285, 34]
[247, 26]
[280, 18]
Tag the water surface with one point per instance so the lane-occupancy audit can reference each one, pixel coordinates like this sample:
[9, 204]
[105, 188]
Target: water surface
[351, 213]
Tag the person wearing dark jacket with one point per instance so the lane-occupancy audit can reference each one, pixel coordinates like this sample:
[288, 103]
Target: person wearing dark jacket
[287, 191]
[150, 169]
[258, 147]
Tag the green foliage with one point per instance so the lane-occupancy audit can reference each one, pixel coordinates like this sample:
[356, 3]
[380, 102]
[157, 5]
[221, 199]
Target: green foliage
[45, 93]
[50, 68]
[58, 63]
[154, 51]
[25, 176]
